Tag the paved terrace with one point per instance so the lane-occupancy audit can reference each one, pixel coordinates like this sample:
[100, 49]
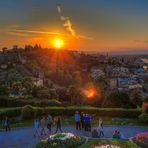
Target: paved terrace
[23, 137]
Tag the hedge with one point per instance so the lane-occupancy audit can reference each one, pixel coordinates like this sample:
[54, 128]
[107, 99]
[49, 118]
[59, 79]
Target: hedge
[69, 111]
[144, 118]
[10, 112]
[113, 112]
[15, 102]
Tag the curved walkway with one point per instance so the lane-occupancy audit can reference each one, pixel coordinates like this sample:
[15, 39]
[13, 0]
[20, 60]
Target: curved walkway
[23, 137]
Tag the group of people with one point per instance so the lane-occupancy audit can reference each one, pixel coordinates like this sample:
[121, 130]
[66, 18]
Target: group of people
[117, 135]
[6, 124]
[44, 127]
[82, 121]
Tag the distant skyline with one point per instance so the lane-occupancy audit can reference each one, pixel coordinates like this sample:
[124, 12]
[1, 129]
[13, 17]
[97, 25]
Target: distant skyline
[102, 25]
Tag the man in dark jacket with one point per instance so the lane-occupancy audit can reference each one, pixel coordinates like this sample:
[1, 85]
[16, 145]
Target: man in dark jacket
[87, 122]
[7, 124]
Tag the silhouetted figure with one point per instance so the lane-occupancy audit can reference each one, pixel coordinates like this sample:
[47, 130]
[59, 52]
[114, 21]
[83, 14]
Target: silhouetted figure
[49, 122]
[43, 126]
[95, 133]
[58, 121]
[82, 120]
[6, 124]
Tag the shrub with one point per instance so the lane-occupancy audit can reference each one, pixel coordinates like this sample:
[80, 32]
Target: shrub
[145, 107]
[141, 139]
[10, 112]
[117, 99]
[41, 92]
[143, 117]
[137, 99]
[6, 101]
[4, 90]
[27, 112]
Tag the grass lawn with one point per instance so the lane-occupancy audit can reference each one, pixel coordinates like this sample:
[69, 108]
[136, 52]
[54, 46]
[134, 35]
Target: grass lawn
[95, 142]
[23, 123]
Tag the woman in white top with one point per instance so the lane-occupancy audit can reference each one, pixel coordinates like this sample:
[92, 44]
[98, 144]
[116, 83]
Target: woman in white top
[100, 128]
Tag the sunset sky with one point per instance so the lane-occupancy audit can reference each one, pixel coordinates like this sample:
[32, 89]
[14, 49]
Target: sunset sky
[100, 25]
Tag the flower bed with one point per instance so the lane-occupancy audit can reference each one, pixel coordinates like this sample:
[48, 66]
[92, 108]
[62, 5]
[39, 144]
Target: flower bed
[61, 140]
[105, 146]
[141, 139]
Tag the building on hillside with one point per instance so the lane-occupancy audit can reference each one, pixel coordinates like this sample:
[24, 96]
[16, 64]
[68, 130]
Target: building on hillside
[130, 84]
[119, 72]
[96, 73]
[113, 83]
[37, 81]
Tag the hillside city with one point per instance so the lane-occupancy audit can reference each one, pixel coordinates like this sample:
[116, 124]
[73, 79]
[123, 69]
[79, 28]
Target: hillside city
[65, 74]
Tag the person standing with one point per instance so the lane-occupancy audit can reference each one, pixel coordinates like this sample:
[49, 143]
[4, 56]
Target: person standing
[7, 124]
[89, 123]
[100, 128]
[36, 128]
[82, 120]
[95, 133]
[49, 122]
[3, 123]
[58, 122]
[43, 126]
[86, 122]
[77, 119]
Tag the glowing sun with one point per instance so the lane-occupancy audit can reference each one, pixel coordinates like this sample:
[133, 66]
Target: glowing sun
[58, 43]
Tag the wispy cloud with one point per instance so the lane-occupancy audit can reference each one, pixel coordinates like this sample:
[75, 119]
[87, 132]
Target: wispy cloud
[38, 32]
[23, 32]
[17, 34]
[85, 37]
[14, 26]
[67, 23]
[59, 9]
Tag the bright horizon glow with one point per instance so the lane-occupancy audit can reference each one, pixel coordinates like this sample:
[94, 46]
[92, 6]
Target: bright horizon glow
[58, 43]
[103, 26]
